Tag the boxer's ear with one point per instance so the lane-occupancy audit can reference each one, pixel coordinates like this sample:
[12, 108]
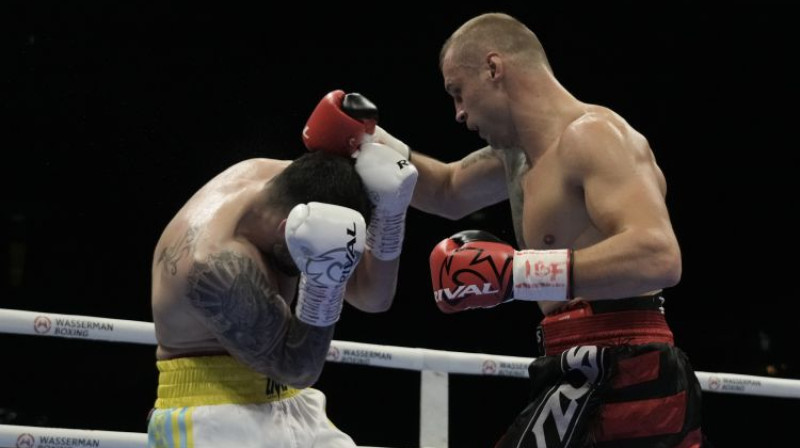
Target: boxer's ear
[495, 65]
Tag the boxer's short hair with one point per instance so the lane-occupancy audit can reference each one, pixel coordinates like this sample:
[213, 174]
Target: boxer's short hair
[321, 177]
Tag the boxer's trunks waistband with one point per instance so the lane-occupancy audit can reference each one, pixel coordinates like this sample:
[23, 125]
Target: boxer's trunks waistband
[631, 321]
[653, 302]
[212, 380]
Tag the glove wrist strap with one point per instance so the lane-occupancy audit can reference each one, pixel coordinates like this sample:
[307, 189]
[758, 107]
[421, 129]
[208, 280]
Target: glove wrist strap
[319, 305]
[385, 235]
[543, 275]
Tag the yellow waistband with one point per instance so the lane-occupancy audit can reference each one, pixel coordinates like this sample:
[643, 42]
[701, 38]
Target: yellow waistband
[210, 380]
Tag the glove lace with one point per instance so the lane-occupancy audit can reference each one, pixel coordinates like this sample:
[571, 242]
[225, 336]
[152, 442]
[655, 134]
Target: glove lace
[385, 235]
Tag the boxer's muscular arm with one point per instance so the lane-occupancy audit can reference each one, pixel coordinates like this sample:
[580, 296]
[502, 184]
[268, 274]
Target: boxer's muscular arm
[235, 299]
[452, 190]
[456, 189]
[624, 194]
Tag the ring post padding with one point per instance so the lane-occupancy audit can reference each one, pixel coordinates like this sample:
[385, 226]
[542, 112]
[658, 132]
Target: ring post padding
[434, 405]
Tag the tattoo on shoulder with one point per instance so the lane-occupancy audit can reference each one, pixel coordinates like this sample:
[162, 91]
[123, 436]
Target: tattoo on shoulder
[477, 157]
[172, 254]
[243, 308]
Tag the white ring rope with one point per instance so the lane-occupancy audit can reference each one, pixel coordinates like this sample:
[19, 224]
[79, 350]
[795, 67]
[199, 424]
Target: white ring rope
[421, 359]
[35, 437]
[434, 366]
[14, 436]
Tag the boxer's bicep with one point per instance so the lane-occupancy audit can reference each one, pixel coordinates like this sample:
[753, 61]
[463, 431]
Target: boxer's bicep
[237, 302]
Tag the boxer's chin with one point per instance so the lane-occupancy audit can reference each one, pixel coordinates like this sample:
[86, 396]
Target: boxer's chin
[281, 259]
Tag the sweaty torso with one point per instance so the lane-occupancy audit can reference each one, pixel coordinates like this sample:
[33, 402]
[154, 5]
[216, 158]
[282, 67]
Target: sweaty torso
[554, 215]
[207, 222]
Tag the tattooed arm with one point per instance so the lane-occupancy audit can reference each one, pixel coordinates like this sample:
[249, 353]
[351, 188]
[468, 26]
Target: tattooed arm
[237, 301]
[455, 189]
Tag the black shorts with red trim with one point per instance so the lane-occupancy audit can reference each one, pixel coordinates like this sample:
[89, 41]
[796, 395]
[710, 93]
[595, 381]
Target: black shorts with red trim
[606, 392]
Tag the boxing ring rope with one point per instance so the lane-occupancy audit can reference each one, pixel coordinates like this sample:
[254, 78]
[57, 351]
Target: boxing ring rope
[433, 365]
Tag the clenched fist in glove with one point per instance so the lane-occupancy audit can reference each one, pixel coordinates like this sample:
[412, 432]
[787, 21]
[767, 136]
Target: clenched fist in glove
[326, 243]
[475, 269]
[390, 179]
[339, 123]
[346, 124]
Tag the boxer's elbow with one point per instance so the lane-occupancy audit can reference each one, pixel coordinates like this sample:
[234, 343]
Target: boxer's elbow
[664, 261]
[298, 376]
[456, 213]
[673, 272]
[377, 303]
[378, 306]
[304, 380]
[298, 360]
[373, 287]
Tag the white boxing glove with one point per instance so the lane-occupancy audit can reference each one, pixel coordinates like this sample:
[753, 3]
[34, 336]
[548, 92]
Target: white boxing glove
[390, 180]
[326, 243]
[381, 136]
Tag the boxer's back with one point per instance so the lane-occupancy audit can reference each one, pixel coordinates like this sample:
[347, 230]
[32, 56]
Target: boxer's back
[206, 222]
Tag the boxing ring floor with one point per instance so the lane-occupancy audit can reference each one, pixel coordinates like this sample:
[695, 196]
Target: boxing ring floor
[435, 369]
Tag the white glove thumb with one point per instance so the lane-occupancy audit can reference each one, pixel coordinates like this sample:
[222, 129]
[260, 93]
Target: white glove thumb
[381, 136]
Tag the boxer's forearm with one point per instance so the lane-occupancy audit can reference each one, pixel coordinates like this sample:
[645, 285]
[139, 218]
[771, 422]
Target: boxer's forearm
[456, 189]
[235, 300]
[373, 286]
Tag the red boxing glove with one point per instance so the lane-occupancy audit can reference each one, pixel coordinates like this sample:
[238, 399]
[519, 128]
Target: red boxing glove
[475, 269]
[339, 122]
[471, 269]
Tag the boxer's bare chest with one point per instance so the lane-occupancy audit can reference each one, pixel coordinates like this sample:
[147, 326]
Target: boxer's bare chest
[547, 210]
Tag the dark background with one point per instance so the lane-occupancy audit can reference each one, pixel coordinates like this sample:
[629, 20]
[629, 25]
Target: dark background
[115, 112]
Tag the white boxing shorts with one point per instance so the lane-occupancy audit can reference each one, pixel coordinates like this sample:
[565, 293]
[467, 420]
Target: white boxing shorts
[215, 401]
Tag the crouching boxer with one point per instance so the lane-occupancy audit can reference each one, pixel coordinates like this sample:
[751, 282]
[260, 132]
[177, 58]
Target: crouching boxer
[249, 280]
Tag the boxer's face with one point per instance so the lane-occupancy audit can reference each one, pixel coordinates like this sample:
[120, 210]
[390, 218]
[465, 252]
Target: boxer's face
[462, 83]
[475, 88]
